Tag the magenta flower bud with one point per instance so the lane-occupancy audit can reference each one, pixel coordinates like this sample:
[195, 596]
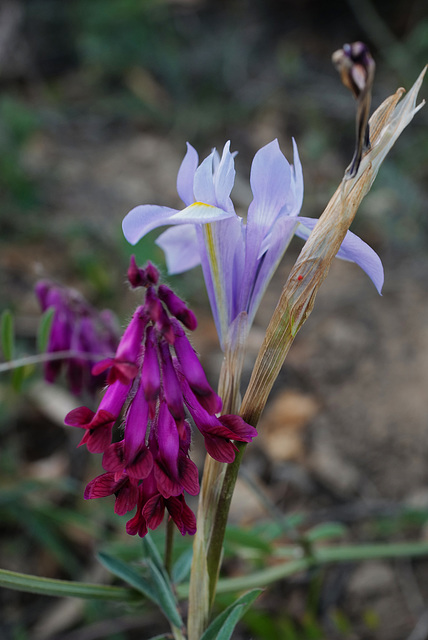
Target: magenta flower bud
[152, 305]
[76, 327]
[124, 366]
[191, 368]
[217, 432]
[142, 277]
[136, 420]
[99, 425]
[150, 373]
[152, 274]
[177, 307]
[167, 461]
[165, 327]
[171, 385]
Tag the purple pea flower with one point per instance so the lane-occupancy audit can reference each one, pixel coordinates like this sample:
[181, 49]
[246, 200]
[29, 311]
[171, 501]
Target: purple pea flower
[238, 259]
[79, 328]
[154, 377]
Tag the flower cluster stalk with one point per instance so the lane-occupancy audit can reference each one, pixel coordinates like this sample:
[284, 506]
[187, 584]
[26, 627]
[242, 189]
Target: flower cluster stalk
[293, 309]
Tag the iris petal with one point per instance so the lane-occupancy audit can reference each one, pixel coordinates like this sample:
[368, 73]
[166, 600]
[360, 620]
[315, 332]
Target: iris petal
[353, 249]
[145, 218]
[181, 248]
[186, 174]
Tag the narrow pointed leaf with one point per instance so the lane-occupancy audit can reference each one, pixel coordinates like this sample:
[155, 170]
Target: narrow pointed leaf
[7, 334]
[218, 625]
[62, 588]
[129, 575]
[44, 329]
[18, 376]
[151, 551]
[228, 627]
[165, 597]
[326, 531]
[181, 567]
[247, 538]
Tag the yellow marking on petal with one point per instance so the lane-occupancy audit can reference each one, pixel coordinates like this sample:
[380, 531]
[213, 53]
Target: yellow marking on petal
[201, 204]
[215, 272]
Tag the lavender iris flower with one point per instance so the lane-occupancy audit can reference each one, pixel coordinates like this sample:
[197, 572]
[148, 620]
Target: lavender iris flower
[238, 258]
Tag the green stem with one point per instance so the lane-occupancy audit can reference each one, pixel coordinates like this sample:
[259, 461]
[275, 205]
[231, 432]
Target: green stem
[215, 549]
[169, 544]
[62, 588]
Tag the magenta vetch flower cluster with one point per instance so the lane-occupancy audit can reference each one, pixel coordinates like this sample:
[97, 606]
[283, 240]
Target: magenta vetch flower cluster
[79, 328]
[155, 381]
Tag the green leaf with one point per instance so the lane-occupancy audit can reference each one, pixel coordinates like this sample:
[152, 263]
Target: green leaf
[247, 538]
[219, 625]
[18, 376]
[62, 588]
[325, 531]
[230, 623]
[165, 596]
[7, 334]
[151, 551]
[44, 329]
[129, 575]
[181, 568]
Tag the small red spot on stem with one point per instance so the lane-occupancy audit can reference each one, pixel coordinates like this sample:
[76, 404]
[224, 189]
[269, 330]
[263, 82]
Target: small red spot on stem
[300, 277]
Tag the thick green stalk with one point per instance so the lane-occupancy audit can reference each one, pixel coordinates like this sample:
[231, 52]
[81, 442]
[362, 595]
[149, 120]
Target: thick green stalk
[206, 566]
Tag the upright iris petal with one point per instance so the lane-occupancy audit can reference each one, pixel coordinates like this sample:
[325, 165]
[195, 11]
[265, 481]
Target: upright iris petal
[238, 260]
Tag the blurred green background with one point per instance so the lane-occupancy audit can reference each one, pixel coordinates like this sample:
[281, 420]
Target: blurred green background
[97, 100]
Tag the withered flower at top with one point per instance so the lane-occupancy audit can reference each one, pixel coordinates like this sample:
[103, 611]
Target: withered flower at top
[357, 67]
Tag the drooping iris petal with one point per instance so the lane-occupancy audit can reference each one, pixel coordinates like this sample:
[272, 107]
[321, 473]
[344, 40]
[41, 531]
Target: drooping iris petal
[353, 249]
[145, 218]
[181, 248]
